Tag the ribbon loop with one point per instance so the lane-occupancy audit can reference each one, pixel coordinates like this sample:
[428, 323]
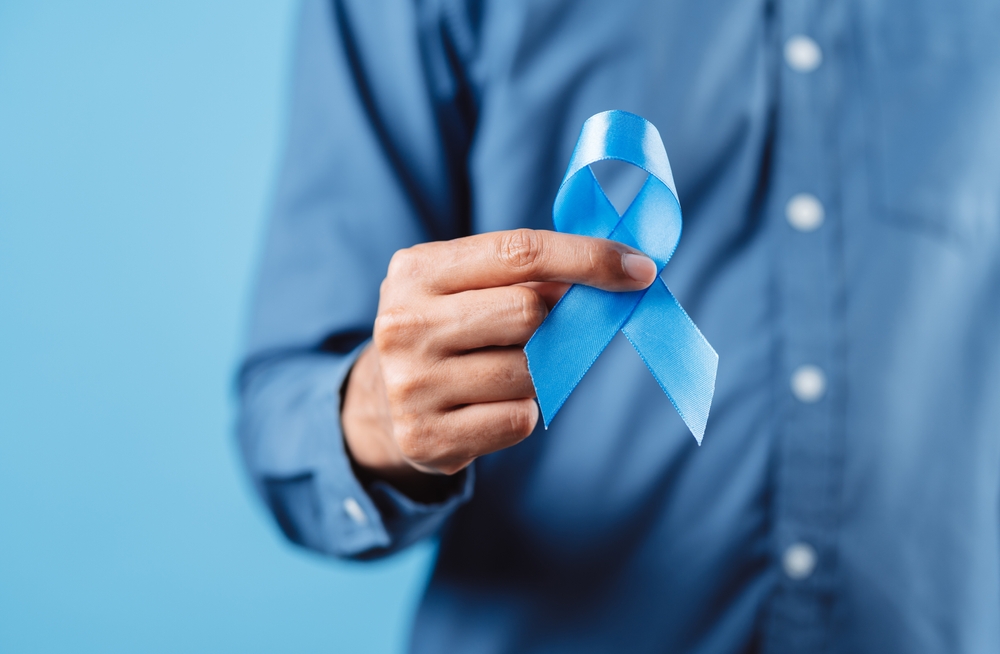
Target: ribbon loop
[585, 320]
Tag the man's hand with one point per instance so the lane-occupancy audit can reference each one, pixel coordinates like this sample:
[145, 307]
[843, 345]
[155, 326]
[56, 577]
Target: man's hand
[446, 379]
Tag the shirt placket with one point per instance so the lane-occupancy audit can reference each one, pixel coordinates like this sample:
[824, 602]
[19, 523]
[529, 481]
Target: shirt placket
[803, 213]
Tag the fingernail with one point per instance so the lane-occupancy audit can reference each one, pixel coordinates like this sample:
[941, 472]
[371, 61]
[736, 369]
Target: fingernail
[639, 267]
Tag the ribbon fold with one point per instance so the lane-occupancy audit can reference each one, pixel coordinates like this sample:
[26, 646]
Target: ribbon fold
[585, 320]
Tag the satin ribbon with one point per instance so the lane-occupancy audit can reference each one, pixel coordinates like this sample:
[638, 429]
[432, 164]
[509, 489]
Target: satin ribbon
[585, 320]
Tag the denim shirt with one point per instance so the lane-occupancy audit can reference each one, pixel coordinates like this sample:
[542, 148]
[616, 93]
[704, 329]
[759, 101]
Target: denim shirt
[838, 166]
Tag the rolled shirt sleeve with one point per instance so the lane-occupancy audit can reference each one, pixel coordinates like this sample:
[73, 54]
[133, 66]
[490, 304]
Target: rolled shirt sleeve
[379, 126]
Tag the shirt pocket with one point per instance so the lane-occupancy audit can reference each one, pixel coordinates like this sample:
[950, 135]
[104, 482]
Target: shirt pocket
[934, 67]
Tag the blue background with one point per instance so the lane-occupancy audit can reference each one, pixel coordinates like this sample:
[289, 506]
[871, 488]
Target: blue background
[138, 147]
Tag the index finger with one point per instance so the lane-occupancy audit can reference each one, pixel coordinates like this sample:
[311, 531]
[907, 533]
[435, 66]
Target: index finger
[527, 255]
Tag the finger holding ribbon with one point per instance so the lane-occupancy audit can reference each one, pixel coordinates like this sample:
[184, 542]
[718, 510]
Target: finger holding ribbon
[445, 379]
[448, 377]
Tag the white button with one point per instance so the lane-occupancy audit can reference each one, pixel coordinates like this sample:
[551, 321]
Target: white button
[799, 561]
[808, 383]
[804, 212]
[803, 54]
[353, 509]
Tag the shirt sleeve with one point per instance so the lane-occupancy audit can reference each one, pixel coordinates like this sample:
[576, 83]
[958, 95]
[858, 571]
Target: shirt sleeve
[379, 127]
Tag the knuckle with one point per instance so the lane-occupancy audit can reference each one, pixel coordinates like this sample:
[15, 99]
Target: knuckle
[412, 441]
[401, 386]
[385, 288]
[595, 258]
[522, 419]
[396, 327]
[604, 259]
[405, 263]
[387, 330]
[505, 376]
[520, 249]
[493, 377]
[530, 306]
[398, 264]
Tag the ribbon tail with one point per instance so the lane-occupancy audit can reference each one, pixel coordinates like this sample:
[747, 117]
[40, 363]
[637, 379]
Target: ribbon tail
[674, 350]
[568, 342]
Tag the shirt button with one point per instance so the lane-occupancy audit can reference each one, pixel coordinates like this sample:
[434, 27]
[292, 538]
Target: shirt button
[802, 54]
[799, 561]
[354, 510]
[808, 383]
[804, 212]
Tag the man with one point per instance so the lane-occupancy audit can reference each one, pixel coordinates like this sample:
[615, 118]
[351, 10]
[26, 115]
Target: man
[839, 171]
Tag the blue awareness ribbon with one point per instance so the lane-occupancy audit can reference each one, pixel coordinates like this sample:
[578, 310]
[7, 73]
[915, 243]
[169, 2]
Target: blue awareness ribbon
[585, 320]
